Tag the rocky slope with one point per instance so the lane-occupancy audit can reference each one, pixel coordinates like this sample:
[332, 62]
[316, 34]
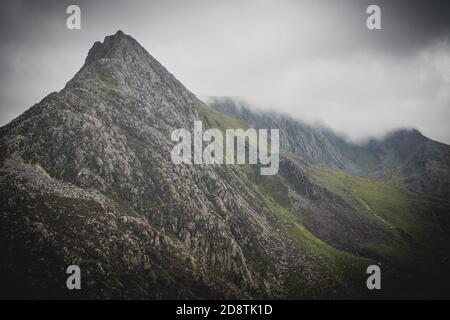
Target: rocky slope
[404, 157]
[299, 138]
[86, 179]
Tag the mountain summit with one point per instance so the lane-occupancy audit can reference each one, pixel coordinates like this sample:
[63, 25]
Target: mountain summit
[86, 179]
[117, 46]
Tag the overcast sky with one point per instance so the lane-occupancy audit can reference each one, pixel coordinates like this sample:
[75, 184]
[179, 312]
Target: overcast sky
[315, 60]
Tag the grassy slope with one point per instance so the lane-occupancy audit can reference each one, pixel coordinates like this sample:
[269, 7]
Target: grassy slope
[324, 271]
[395, 208]
[422, 254]
[218, 120]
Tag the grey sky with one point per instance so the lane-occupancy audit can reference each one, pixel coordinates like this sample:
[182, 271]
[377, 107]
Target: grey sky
[313, 59]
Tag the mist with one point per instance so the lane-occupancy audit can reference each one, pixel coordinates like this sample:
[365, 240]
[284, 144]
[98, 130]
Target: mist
[314, 60]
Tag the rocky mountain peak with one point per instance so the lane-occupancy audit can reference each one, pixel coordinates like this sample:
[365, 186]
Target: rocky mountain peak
[118, 46]
[103, 143]
[120, 61]
[86, 179]
[124, 73]
[405, 135]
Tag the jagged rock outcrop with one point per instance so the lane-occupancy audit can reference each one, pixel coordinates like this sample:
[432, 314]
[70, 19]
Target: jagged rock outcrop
[97, 155]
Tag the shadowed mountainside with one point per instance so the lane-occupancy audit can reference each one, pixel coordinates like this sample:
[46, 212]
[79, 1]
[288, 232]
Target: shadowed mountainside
[86, 179]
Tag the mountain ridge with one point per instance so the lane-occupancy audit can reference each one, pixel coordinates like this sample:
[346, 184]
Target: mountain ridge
[397, 157]
[86, 179]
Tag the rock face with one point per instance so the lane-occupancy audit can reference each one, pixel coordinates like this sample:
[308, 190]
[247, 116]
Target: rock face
[405, 157]
[86, 179]
[310, 143]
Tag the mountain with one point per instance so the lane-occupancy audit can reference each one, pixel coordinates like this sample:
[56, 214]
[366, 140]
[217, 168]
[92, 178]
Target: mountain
[86, 179]
[311, 143]
[404, 157]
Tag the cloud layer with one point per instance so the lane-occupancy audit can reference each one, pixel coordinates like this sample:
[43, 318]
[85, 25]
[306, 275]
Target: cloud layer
[315, 60]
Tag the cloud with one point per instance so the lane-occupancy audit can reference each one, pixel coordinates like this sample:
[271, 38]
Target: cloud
[315, 60]
[362, 94]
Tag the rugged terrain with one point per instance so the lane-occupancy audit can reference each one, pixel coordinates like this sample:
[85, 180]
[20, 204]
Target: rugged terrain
[86, 179]
[403, 157]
